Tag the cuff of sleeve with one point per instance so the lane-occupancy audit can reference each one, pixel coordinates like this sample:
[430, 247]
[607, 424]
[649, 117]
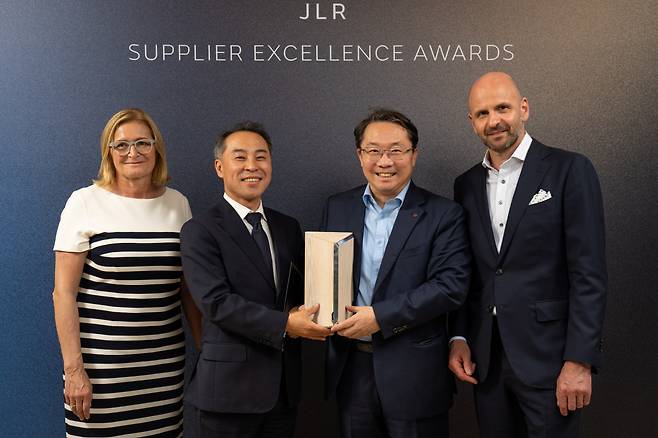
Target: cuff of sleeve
[382, 317]
[454, 338]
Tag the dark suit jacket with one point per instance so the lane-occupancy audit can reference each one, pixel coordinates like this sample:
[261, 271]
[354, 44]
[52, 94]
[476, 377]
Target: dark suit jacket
[423, 275]
[548, 283]
[244, 316]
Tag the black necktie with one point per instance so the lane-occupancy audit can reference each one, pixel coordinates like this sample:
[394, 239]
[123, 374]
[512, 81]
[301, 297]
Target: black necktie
[260, 237]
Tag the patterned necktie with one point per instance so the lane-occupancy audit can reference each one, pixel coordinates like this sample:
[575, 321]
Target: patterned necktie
[260, 237]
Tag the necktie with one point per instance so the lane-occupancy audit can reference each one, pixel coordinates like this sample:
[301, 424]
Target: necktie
[260, 237]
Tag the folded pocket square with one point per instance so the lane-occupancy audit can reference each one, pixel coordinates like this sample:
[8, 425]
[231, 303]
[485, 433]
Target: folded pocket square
[540, 196]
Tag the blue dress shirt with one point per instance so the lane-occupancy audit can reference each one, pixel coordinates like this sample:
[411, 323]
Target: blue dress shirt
[377, 226]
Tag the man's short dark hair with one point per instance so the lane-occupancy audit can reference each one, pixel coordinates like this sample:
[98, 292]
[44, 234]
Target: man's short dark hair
[386, 115]
[249, 126]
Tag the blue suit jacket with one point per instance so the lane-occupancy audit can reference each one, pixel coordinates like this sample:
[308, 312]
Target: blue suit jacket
[548, 283]
[244, 316]
[423, 276]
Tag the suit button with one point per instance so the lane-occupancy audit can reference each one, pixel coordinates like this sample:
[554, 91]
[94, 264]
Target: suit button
[499, 271]
[490, 309]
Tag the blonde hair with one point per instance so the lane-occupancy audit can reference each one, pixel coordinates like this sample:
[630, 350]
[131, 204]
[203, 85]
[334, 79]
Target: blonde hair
[107, 172]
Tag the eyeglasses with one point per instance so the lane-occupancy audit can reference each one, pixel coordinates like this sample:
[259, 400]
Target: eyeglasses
[142, 146]
[395, 154]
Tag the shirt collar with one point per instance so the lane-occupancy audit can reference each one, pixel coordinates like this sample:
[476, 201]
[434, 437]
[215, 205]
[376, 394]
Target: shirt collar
[520, 152]
[368, 199]
[243, 211]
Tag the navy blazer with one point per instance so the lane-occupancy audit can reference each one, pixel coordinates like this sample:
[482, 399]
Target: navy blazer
[549, 281]
[244, 316]
[423, 275]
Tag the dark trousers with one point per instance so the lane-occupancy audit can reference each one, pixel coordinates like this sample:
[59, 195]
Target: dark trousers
[360, 408]
[276, 423]
[506, 408]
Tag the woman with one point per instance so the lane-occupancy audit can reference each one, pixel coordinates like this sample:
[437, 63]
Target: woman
[118, 290]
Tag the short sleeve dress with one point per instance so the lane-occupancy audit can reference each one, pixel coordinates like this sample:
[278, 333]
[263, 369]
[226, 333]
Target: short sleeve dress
[131, 333]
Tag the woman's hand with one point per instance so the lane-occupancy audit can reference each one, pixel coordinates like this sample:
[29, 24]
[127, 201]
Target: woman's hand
[77, 387]
[77, 392]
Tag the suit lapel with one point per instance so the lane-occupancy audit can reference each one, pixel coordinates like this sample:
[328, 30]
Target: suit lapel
[410, 213]
[237, 230]
[281, 250]
[479, 183]
[356, 222]
[534, 169]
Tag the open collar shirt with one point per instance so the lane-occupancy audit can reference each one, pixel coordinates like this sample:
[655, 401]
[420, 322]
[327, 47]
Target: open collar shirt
[501, 185]
[377, 227]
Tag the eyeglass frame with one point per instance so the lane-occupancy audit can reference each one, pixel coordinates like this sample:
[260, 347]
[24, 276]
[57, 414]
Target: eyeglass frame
[378, 156]
[113, 145]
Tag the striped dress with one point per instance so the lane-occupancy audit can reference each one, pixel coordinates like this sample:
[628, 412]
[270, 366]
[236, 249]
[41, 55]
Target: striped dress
[131, 333]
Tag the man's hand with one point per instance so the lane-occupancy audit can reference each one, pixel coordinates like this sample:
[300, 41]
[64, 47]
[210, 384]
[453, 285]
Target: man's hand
[459, 361]
[361, 323]
[300, 324]
[574, 387]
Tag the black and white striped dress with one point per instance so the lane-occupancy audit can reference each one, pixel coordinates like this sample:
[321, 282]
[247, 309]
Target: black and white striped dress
[131, 332]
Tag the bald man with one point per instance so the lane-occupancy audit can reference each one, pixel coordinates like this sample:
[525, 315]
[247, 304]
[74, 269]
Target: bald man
[529, 335]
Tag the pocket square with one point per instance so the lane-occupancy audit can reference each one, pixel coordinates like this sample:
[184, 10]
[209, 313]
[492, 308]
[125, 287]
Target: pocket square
[540, 196]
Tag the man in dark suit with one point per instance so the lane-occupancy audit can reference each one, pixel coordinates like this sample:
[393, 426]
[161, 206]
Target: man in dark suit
[533, 318]
[411, 267]
[238, 259]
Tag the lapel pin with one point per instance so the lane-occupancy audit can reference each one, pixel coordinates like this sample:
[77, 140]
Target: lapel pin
[414, 215]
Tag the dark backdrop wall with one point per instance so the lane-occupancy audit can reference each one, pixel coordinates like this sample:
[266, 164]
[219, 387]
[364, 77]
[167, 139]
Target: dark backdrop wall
[587, 67]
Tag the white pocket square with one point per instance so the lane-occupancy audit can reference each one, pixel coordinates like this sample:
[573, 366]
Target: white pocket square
[540, 196]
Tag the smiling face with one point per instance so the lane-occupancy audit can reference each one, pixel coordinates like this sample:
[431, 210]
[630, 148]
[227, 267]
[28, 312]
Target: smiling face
[498, 113]
[134, 166]
[386, 177]
[246, 167]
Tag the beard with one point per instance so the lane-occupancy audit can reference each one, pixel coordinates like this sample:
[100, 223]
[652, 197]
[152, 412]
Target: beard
[501, 127]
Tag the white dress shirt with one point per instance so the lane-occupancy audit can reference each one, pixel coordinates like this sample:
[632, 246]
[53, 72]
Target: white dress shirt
[243, 211]
[501, 185]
